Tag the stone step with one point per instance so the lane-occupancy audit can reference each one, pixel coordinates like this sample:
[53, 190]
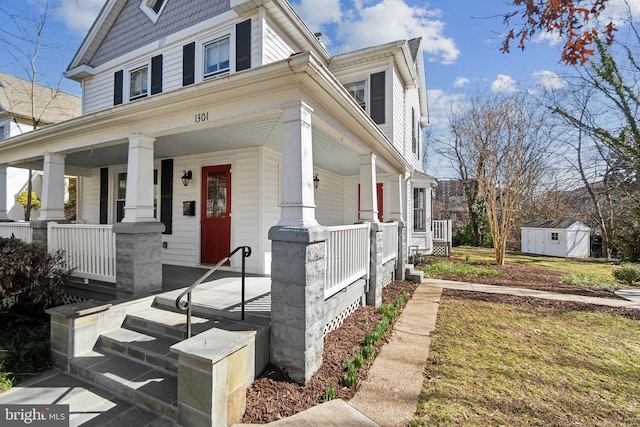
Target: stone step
[165, 323]
[256, 309]
[151, 350]
[153, 389]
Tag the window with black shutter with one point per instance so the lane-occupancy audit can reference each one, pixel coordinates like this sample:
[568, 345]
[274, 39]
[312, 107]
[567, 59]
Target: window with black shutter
[118, 85]
[166, 195]
[189, 64]
[243, 45]
[156, 74]
[378, 97]
[104, 195]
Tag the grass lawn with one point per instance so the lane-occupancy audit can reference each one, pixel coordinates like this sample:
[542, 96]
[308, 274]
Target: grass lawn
[494, 364]
[599, 269]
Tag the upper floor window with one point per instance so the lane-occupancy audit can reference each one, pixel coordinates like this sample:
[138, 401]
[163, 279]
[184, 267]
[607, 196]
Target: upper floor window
[1, 132]
[153, 8]
[216, 58]
[357, 90]
[139, 82]
[554, 236]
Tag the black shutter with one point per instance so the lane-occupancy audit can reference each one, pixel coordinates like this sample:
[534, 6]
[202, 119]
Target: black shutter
[243, 45]
[166, 195]
[118, 81]
[377, 97]
[104, 194]
[189, 64]
[156, 74]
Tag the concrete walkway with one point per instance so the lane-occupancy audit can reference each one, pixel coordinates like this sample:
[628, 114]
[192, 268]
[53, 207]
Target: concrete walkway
[389, 396]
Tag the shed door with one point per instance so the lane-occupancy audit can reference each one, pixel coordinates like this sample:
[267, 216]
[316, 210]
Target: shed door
[215, 224]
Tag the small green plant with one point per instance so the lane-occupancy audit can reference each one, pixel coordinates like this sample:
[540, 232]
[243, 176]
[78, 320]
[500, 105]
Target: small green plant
[467, 258]
[405, 296]
[330, 394]
[358, 360]
[628, 274]
[369, 339]
[367, 320]
[351, 376]
[367, 352]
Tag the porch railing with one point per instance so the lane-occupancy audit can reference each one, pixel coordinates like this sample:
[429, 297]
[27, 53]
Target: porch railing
[20, 230]
[90, 249]
[442, 230]
[347, 257]
[389, 241]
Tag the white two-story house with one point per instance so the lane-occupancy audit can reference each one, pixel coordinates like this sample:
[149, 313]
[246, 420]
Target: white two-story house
[209, 125]
[205, 85]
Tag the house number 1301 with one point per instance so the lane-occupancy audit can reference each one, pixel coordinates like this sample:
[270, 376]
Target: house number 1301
[202, 117]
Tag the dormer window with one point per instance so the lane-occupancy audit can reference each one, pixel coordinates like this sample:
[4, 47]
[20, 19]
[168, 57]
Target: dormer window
[139, 82]
[357, 90]
[216, 58]
[153, 8]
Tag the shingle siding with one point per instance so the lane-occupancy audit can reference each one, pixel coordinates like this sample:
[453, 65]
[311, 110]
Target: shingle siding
[133, 29]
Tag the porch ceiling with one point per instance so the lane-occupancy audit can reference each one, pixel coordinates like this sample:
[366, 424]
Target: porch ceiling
[328, 153]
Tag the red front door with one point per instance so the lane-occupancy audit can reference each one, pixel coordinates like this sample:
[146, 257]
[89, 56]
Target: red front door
[215, 228]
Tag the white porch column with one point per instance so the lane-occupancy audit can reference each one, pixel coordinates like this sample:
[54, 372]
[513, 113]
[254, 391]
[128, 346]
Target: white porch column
[139, 198]
[397, 194]
[52, 200]
[298, 207]
[3, 193]
[368, 193]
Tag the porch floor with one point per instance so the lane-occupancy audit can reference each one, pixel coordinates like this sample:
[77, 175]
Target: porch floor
[219, 295]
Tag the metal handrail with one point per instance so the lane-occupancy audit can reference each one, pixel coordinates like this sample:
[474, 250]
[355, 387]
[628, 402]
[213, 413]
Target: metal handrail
[186, 305]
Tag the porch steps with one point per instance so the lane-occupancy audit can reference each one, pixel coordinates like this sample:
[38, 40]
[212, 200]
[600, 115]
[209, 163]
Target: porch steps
[136, 363]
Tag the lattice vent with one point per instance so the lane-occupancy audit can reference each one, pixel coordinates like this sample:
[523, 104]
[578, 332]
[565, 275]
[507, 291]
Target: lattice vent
[337, 321]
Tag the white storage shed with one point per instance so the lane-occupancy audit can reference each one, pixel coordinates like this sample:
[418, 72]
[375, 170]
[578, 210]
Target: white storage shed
[565, 238]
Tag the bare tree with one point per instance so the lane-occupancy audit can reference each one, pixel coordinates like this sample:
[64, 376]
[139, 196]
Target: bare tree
[500, 142]
[21, 38]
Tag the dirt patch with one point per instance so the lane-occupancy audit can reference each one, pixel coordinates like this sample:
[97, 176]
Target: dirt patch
[273, 395]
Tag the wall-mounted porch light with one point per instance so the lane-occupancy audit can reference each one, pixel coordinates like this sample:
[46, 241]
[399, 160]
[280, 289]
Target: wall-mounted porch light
[316, 181]
[188, 176]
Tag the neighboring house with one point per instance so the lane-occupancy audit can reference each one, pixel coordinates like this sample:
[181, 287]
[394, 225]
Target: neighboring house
[566, 238]
[22, 104]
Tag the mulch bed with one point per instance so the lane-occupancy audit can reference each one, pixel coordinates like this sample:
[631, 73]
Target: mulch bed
[273, 395]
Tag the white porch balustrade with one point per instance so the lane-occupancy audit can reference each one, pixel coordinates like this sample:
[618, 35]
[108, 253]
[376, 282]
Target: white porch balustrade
[389, 241]
[19, 230]
[442, 230]
[347, 257]
[90, 249]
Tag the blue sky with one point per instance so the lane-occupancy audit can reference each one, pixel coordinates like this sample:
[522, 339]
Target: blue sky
[462, 40]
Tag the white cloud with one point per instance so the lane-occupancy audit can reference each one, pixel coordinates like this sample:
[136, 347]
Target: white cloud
[460, 81]
[442, 104]
[550, 38]
[78, 15]
[619, 11]
[503, 83]
[549, 80]
[374, 22]
[319, 12]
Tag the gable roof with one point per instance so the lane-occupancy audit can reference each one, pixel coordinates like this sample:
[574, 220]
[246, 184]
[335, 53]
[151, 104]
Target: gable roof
[551, 223]
[100, 46]
[50, 105]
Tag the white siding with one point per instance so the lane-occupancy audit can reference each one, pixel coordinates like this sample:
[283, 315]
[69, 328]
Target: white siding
[401, 129]
[98, 93]
[172, 69]
[245, 216]
[329, 208]
[270, 184]
[276, 47]
[90, 197]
